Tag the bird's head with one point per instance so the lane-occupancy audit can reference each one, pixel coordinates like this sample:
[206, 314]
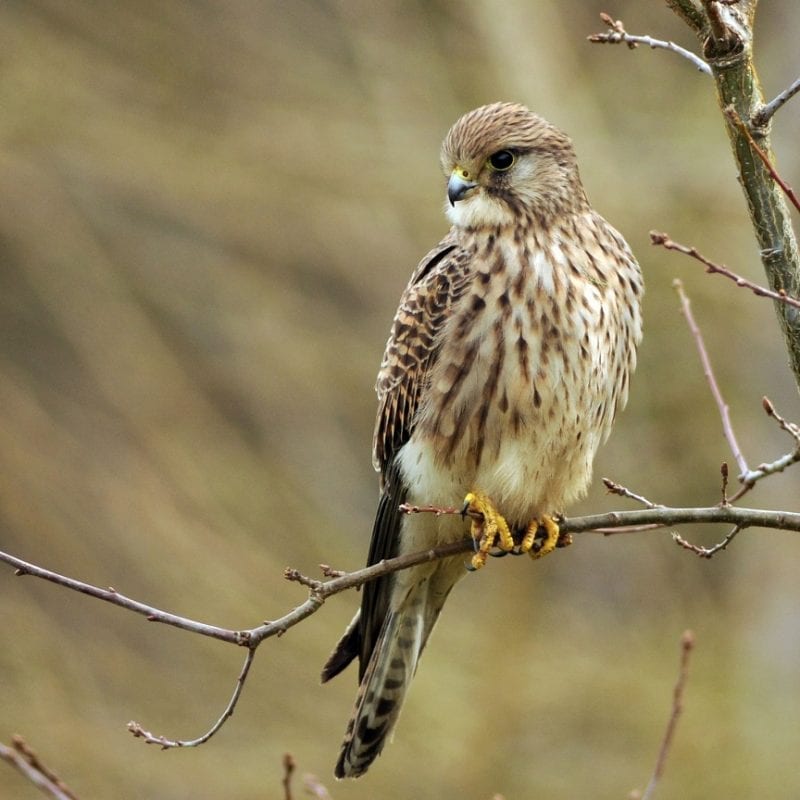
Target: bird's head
[504, 163]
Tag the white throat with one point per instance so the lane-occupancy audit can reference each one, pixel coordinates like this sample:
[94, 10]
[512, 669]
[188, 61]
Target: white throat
[479, 210]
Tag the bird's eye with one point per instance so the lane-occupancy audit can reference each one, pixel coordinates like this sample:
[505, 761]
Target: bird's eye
[501, 160]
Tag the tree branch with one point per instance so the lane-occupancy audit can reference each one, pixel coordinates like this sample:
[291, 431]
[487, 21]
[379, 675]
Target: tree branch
[706, 552]
[150, 738]
[25, 760]
[725, 29]
[735, 119]
[613, 522]
[617, 35]
[608, 523]
[780, 296]
[687, 644]
[766, 112]
[692, 14]
[722, 406]
[727, 38]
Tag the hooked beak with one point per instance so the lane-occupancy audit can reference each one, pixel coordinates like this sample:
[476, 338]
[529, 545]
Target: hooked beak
[457, 187]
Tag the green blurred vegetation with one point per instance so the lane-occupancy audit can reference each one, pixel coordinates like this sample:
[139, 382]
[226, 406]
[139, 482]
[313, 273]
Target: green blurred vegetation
[208, 213]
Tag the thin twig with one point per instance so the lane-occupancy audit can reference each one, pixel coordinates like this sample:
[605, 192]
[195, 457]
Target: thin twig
[165, 744]
[727, 427]
[297, 577]
[111, 595]
[618, 35]
[664, 240]
[724, 473]
[407, 508]
[706, 552]
[687, 643]
[329, 572]
[734, 118]
[27, 762]
[752, 476]
[288, 768]
[623, 491]
[767, 111]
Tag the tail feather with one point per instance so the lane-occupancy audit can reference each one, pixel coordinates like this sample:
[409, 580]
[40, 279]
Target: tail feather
[383, 687]
[347, 648]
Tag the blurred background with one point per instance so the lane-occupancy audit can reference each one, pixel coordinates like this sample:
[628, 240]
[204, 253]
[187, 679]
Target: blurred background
[208, 214]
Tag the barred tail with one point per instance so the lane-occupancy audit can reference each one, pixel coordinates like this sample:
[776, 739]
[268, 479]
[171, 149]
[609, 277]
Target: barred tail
[384, 685]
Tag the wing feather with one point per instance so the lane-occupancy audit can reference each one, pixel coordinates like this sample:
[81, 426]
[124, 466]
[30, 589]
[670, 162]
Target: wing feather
[438, 282]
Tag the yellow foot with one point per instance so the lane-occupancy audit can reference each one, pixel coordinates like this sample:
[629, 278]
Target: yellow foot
[542, 537]
[489, 528]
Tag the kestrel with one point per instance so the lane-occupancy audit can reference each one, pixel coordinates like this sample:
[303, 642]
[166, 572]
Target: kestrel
[508, 359]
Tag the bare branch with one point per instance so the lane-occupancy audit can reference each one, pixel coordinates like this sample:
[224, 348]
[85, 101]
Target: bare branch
[768, 110]
[288, 768]
[706, 552]
[622, 491]
[111, 595]
[728, 50]
[724, 472]
[712, 267]
[165, 744]
[790, 427]
[614, 522]
[735, 119]
[727, 427]
[687, 643]
[750, 478]
[25, 760]
[618, 35]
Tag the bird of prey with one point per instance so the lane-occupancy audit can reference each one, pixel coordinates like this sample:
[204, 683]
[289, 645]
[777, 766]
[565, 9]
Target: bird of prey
[507, 361]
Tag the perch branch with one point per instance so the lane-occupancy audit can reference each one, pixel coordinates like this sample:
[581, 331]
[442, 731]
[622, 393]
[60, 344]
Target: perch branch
[605, 524]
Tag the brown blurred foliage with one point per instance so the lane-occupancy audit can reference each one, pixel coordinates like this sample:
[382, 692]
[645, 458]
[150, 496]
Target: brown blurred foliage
[208, 213]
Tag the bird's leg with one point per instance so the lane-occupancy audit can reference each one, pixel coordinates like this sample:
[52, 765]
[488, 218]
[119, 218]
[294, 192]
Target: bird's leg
[542, 537]
[489, 527]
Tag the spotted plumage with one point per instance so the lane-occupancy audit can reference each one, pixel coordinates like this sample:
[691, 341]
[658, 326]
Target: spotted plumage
[508, 359]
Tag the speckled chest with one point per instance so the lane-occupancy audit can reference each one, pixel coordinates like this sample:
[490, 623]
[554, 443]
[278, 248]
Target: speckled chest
[533, 354]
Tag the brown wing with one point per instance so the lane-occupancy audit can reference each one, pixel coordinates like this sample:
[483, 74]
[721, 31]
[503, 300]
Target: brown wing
[438, 281]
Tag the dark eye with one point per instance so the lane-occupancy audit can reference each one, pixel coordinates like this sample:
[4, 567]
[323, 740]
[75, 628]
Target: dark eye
[502, 160]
